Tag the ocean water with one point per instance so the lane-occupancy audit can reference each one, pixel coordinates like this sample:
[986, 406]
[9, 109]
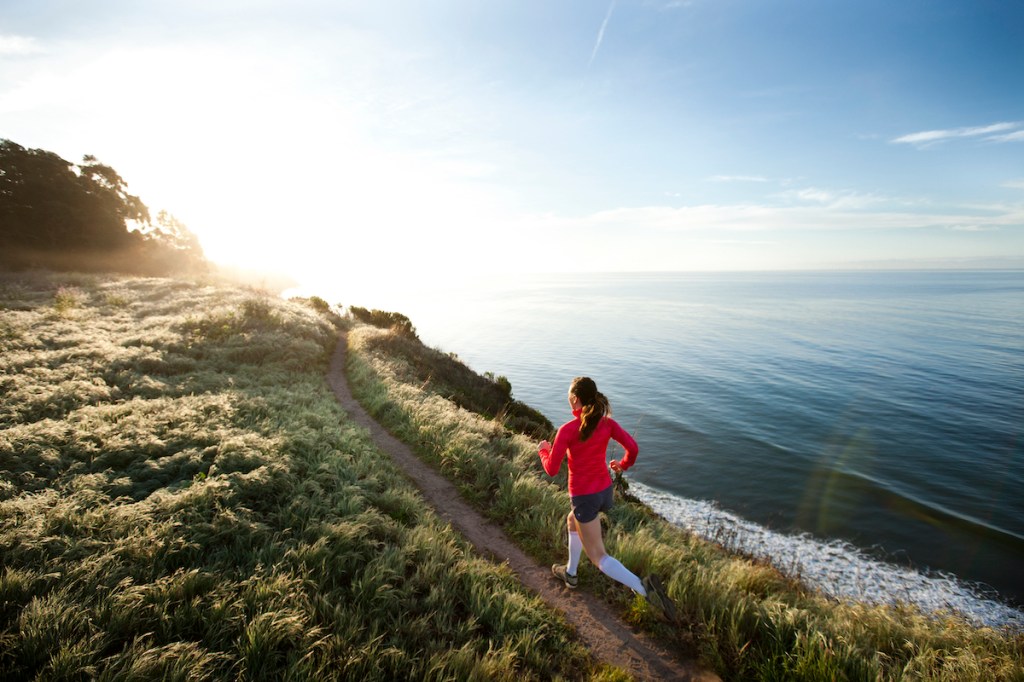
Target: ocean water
[859, 429]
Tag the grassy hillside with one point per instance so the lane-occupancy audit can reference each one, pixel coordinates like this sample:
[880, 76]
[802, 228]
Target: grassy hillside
[740, 616]
[181, 498]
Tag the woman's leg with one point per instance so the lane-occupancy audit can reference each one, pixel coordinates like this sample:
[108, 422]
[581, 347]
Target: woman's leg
[593, 544]
[590, 535]
[575, 546]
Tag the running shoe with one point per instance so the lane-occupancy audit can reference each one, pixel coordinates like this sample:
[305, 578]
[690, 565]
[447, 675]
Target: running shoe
[658, 597]
[564, 576]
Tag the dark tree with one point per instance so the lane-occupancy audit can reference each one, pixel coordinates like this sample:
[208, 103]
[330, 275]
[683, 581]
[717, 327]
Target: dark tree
[173, 246]
[57, 214]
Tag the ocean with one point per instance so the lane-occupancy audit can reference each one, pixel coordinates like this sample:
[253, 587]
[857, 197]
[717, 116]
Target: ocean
[859, 429]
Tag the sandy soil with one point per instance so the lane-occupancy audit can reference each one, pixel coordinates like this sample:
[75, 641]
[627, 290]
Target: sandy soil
[608, 638]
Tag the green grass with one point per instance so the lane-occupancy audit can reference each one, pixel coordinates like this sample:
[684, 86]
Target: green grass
[742, 617]
[181, 498]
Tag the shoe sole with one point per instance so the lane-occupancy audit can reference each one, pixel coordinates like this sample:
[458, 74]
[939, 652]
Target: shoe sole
[661, 599]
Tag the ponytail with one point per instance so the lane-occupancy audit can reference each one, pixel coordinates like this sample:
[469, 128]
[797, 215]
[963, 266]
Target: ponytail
[595, 405]
[593, 414]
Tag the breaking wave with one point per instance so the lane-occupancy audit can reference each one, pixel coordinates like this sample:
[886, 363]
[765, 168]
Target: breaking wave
[834, 567]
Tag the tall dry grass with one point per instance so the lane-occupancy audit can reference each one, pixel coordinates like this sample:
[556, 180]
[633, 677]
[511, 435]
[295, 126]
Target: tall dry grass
[181, 498]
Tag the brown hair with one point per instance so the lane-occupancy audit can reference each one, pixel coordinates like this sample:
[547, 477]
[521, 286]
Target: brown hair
[595, 405]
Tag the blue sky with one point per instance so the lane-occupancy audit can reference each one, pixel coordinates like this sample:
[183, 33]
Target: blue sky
[460, 136]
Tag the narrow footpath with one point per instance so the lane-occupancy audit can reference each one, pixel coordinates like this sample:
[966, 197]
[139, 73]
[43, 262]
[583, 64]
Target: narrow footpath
[608, 639]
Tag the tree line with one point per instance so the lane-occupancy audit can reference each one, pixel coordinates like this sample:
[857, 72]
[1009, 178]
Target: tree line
[64, 216]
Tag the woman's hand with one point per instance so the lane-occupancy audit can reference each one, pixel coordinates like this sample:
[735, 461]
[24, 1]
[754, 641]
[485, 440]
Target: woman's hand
[544, 446]
[616, 467]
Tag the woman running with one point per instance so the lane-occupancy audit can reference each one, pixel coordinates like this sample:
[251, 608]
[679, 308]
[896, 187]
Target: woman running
[585, 440]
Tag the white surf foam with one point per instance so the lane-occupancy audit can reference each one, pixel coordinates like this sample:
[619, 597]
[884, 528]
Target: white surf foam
[836, 568]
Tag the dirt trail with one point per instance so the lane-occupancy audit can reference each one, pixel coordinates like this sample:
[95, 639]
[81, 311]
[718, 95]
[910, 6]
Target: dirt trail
[608, 638]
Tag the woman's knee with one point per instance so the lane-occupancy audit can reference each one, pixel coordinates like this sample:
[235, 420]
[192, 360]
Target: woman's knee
[596, 556]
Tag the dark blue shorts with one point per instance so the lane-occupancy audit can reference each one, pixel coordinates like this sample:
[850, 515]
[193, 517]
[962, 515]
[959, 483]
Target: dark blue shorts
[586, 507]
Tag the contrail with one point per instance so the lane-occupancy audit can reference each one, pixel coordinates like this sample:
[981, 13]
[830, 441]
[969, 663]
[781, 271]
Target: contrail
[600, 34]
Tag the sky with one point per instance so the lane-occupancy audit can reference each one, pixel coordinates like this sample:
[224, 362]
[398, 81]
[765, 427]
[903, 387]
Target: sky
[404, 140]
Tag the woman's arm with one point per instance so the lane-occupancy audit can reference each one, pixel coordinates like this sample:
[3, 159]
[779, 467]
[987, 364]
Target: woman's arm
[551, 456]
[627, 441]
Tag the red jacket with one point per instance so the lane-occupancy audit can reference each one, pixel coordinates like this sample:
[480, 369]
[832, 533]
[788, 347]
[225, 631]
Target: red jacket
[588, 468]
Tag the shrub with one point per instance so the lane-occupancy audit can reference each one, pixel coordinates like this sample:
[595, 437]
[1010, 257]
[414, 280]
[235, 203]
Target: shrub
[379, 318]
[318, 304]
[449, 377]
[66, 298]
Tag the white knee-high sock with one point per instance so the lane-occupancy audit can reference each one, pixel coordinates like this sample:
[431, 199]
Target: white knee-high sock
[612, 568]
[575, 549]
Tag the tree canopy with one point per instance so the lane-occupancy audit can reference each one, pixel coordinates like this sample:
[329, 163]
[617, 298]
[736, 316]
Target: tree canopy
[61, 215]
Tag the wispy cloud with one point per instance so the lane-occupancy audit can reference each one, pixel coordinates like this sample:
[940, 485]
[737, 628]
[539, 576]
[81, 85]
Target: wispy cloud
[1016, 136]
[989, 132]
[741, 242]
[1014, 184]
[844, 200]
[737, 178]
[813, 195]
[11, 45]
[972, 228]
[600, 33]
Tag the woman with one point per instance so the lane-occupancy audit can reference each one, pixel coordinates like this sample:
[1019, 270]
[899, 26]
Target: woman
[585, 440]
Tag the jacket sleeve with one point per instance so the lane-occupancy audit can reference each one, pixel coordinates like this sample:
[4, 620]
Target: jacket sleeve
[627, 441]
[552, 459]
